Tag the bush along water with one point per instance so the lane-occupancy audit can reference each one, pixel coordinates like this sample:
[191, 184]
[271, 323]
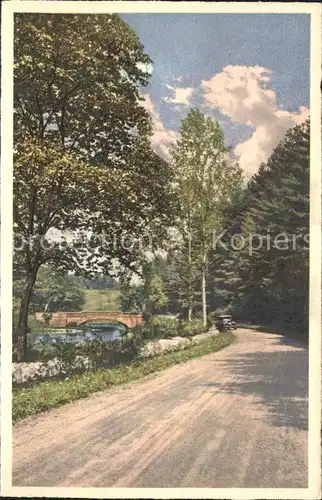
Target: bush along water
[64, 359]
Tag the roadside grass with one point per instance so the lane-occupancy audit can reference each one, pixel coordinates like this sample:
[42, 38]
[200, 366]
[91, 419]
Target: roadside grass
[48, 395]
[102, 300]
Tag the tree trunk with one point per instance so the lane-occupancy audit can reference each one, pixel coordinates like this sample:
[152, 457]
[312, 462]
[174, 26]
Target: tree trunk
[23, 317]
[47, 304]
[203, 293]
[190, 279]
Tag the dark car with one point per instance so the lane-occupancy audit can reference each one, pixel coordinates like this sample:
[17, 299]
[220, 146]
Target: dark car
[224, 322]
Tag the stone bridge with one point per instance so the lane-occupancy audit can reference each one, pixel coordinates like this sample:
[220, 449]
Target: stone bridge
[63, 319]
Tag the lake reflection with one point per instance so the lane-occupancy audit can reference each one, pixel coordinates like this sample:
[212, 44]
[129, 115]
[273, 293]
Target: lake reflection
[106, 332]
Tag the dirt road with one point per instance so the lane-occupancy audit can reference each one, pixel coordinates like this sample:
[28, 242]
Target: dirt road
[236, 418]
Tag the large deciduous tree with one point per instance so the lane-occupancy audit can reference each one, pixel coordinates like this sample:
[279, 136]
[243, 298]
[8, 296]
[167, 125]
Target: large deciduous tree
[52, 190]
[83, 160]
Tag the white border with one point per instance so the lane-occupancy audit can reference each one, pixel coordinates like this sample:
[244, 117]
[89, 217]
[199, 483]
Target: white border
[8, 9]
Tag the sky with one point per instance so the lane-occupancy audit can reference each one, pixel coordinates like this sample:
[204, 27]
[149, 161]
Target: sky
[249, 71]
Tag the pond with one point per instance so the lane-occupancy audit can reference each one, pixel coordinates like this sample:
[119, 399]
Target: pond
[108, 332]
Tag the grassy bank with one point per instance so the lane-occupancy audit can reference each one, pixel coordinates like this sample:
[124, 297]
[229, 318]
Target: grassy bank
[47, 395]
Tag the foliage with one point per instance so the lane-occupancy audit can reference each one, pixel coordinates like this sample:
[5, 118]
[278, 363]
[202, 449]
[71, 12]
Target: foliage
[270, 283]
[205, 181]
[148, 296]
[181, 280]
[159, 327]
[83, 163]
[86, 101]
[40, 398]
[167, 326]
[98, 354]
[191, 328]
[131, 299]
[56, 291]
[52, 189]
[163, 327]
[86, 97]
[155, 298]
[101, 283]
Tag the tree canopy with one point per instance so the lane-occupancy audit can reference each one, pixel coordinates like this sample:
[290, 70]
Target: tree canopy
[267, 280]
[77, 80]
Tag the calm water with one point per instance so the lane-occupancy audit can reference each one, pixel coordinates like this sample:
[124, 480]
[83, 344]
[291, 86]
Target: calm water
[106, 332]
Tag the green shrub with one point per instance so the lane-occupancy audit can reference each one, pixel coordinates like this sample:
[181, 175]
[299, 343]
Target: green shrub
[158, 327]
[42, 352]
[168, 327]
[139, 333]
[211, 319]
[165, 326]
[102, 354]
[191, 328]
[66, 353]
[97, 354]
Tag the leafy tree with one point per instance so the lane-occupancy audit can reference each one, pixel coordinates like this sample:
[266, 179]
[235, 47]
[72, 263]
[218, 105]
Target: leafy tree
[83, 162]
[53, 190]
[221, 274]
[130, 298]
[181, 279]
[57, 291]
[155, 298]
[85, 97]
[148, 296]
[49, 188]
[205, 182]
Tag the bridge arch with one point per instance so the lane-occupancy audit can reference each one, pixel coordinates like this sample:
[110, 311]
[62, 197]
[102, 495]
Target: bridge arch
[101, 321]
[64, 319]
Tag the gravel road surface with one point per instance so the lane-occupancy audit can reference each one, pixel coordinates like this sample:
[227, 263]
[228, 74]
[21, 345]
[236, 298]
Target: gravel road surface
[235, 418]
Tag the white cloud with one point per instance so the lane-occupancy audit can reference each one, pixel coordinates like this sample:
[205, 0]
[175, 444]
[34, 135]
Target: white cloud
[146, 67]
[181, 96]
[162, 139]
[242, 94]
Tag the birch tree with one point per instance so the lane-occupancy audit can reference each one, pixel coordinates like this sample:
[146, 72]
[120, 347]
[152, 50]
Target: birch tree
[205, 181]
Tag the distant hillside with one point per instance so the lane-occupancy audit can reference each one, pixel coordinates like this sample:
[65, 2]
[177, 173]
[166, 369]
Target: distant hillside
[102, 300]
